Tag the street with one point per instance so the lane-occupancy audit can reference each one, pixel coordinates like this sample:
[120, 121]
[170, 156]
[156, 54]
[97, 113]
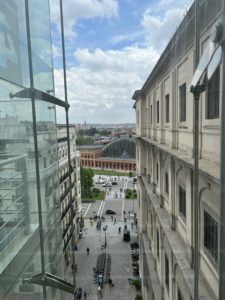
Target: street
[115, 199]
[95, 240]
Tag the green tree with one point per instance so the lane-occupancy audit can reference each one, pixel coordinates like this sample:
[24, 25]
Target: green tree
[81, 140]
[86, 177]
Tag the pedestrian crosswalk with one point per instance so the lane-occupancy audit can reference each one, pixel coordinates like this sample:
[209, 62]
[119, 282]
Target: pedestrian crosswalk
[85, 208]
[115, 194]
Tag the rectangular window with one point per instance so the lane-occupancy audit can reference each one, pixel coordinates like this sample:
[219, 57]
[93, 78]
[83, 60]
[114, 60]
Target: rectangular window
[45, 163]
[166, 183]
[167, 100]
[182, 202]
[212, 96]
[211, 236]
[157, 111]
[157, 244]
[151, 115]
[167, 274]
[179, 295]
[182, 95]
[157, 172]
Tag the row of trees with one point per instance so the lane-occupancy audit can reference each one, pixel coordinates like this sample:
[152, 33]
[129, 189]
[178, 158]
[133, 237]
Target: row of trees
[86, 182]
[84, 140]
[86, 136]
[93, 131]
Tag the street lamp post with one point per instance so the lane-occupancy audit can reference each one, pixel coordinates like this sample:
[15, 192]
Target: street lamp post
[104, 229]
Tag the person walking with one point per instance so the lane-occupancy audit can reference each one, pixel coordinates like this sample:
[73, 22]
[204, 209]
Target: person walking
[85, 294]
[114, 220]
[80, 292]
[132, 225]
[110, 282]
[88, 250]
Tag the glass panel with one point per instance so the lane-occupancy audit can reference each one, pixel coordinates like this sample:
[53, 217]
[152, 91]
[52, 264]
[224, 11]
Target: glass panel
[13, 40]
[41, 45]
[19, 227]
[214, 63]
[48, 153]
[20, 247]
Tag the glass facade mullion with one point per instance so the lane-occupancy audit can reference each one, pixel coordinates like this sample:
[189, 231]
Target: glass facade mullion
[30, 228]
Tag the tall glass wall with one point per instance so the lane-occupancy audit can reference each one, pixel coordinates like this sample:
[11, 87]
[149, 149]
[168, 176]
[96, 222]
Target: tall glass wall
[30, 229]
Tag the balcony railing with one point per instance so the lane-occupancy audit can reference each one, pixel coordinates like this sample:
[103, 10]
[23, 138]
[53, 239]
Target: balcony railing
[64, 194]
[67, 241]
[63, 177]
[65, 210]
[65, 230]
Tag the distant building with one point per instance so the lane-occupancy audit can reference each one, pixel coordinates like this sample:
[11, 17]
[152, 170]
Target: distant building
[165, 162]
[118, 155]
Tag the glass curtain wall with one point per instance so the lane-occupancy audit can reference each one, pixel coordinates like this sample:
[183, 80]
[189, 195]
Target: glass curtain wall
[30, 229]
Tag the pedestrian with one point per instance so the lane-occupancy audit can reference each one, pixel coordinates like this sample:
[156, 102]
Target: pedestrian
[114, 220]
[85, 294]
[119, 229]
[132, 225]
[79, 294]
[110, 282]
[88, 250]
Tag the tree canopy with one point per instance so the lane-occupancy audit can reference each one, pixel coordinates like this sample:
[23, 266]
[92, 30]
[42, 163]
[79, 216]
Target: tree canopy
[86, 181]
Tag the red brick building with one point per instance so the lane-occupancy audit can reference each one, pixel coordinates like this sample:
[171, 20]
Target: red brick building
[119, 155]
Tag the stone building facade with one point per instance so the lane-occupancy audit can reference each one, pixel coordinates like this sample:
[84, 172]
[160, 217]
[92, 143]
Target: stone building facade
[165, 162]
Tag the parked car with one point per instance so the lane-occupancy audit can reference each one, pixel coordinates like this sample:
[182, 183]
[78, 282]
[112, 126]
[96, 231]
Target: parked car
[110, 212]
[100, 181]
[114, 183]
[107, 184]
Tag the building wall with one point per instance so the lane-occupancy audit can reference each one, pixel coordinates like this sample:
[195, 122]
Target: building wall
[65, 192]
[165, 167]
[93, 159]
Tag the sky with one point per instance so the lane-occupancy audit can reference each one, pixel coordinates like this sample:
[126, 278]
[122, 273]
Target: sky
[111, 48]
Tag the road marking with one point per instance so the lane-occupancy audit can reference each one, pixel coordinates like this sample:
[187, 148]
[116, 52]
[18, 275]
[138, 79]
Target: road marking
[87, 210]
[123, 203]
[98, 214]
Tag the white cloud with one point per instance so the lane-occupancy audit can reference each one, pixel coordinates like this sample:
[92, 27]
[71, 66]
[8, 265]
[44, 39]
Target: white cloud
[160, 29]
[101, 86]
[116, 39]
[73, 10]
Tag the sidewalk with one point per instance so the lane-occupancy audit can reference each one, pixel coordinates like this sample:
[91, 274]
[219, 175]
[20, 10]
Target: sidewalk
[121, 267]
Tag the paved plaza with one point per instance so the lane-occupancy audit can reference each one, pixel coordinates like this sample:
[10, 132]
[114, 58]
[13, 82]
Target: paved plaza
[121, 266]
[121, 262]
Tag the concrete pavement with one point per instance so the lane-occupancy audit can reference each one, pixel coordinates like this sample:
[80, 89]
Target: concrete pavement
[121, 268]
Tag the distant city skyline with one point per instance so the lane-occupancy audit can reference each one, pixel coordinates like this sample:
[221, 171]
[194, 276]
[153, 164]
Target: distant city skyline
[111, 48]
